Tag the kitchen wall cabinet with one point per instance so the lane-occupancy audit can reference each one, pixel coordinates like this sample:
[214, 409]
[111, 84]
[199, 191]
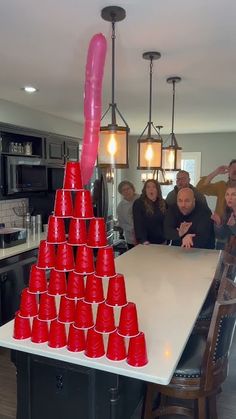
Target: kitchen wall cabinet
[14, 277]
[60, 149]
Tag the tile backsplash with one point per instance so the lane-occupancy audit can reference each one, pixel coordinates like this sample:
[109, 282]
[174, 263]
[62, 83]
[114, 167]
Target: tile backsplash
[9, 216]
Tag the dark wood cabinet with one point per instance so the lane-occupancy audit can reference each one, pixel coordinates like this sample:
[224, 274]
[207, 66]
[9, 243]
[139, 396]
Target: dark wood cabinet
[60, 149]
[72, 150]
[55, 152]
[14, 277]
[48, 388]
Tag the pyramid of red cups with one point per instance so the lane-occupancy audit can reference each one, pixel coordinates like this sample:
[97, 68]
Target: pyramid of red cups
[60, 311]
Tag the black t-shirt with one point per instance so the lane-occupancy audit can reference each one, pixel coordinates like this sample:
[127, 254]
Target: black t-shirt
[202, 226]
[147, 226]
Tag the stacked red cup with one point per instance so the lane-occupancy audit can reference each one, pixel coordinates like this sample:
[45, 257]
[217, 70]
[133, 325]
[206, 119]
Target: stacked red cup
[37, 280]
[63, 204]
[84, 263]
[94, 290]
[56, 230]
[46, 255]
[83, 205]
[72, 177]
[97, 236]
[105, 265]
[77, 232]
[22, 329]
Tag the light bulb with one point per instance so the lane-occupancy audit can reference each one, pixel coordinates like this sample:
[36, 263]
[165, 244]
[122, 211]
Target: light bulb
[149, 154]
[171, 157]
[112, 146]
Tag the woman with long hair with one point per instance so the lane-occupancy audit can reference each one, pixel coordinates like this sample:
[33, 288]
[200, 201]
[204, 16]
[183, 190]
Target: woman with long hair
[225, 226]
[149, 212]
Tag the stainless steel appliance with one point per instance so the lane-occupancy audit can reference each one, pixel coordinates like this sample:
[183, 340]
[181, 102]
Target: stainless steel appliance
[24, 174]
[102, 196]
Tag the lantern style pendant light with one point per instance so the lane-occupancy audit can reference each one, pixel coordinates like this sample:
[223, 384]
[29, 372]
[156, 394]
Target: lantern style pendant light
[171, 155]
[149, 147]
[113, 145]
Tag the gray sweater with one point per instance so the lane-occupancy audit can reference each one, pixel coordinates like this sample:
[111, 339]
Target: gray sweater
[125, 218]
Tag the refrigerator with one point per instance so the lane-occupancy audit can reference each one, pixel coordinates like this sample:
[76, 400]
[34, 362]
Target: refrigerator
[101, 187]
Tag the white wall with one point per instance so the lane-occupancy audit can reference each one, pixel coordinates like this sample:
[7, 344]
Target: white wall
[13, 113]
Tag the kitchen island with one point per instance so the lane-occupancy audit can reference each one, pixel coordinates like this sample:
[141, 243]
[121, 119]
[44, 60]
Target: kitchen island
[169, 286]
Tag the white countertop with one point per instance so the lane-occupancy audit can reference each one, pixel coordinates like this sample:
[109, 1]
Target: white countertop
[31, 243]
[169, 286]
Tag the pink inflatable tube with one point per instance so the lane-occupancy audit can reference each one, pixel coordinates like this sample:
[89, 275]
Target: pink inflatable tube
[92, 104]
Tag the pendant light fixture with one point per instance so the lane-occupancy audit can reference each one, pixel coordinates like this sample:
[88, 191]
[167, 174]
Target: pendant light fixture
[171, 155]
[113, 145]
[149, 147]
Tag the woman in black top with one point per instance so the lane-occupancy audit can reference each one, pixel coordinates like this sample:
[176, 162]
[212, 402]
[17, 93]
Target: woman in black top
[148, 212]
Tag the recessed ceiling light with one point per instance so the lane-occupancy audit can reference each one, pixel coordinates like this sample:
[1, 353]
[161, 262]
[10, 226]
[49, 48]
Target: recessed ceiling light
[29, 89]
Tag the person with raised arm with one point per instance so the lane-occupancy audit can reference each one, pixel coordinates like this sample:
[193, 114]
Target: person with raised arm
[218, 189]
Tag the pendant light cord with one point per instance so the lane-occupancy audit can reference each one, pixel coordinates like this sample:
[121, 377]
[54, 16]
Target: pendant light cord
[150, 97]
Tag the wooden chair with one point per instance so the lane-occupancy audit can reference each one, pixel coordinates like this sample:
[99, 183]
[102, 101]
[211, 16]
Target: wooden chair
[202, 368]
[225, 267]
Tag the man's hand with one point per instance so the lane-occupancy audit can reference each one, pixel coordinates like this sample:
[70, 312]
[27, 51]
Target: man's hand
[183, 228]
[222, 170]
[231, 221]
[187, 241]
[216, 218]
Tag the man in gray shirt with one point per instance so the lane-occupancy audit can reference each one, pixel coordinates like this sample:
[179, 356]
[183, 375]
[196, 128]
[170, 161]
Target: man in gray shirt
[124, 211]
[183, 181]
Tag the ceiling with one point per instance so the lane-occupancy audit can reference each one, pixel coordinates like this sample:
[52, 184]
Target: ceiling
[45, 44]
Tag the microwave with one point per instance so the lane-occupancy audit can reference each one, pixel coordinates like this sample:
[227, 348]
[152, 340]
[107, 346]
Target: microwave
[24, 174]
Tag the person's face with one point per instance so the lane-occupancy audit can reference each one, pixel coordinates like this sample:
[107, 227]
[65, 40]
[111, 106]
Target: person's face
[185, 202]
[230, 198]
[232, 172]
[151, 191]
[182, 180]
[127, 192]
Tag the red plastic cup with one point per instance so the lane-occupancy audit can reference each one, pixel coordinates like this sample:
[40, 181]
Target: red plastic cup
[97, 233]
[63, 206]
[94, 290]
[128, 325]
[84, 263]
[66, 310]
[75, 286]
[72, 176]
[57, 283]
[64, 258]
[105, 322]
[28, 304]
[56, 230]
[22, 328]
[39, 331]
[37, 280]
[76, 339]
[83, 205]
[105, 265]
[46, 255]
[116, 350]
[77, 232]
[57, 335]
[137, 351]
[47, 307]
[116, 293]
[94, 347]
[83, 315]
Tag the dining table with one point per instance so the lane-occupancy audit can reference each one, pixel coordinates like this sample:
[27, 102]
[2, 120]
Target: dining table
[169, 285]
